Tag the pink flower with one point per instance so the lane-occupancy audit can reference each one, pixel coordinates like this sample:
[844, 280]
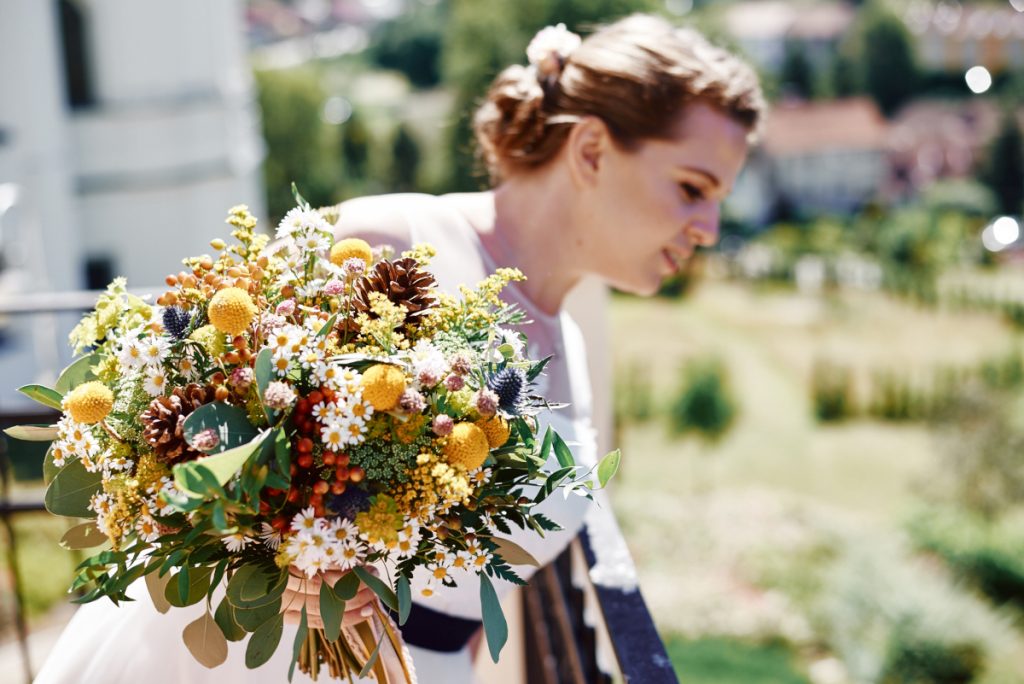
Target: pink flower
[460, 364]
[285, 308]
[353, 267]
[279, 395]
[334, 287]
[454, 383]
[486, 402]
[412, 401]
[206, 440]
[443, 425]
[242, 378]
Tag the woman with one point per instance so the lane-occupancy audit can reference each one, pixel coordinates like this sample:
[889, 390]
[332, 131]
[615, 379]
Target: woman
[609, 157]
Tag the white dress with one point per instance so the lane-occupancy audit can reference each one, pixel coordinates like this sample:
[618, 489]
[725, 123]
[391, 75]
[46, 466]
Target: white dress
[107, 644]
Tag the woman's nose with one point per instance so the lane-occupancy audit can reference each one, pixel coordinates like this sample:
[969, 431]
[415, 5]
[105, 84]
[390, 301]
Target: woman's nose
[704, 231]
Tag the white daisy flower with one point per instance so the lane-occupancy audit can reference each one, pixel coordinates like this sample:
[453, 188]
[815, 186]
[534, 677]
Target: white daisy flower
[269, 536]
[156, 381]
[306, 520]
[335, 435]
[236, 542]
[131, 356]
[154, 350]
[325, 411]
[147, 529]
[350, 556]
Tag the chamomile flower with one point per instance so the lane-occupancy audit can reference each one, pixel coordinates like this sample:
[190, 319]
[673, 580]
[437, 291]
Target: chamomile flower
[146, 528]
[340, 530]
[351, 555]
[306, 521]
[131, 357]
[269, 536]
[154, 350]
[156, 381]
[325, 411]
[236, 542]
[334, 435]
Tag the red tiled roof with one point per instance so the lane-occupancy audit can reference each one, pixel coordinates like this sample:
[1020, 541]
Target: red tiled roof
[802, 127]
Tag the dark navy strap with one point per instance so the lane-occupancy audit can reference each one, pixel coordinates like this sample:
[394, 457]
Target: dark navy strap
[435, 631]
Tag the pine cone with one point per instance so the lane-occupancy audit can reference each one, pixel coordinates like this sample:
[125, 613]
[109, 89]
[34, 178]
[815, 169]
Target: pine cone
[164, 422]
[400, 281]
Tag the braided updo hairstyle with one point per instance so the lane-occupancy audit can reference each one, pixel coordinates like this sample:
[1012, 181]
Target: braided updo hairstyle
[636, 75]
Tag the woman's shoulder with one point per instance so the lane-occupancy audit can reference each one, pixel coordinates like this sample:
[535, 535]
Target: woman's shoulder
[386, 219]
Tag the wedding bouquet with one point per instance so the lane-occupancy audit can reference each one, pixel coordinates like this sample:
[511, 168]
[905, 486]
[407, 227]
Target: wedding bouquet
[284, 412]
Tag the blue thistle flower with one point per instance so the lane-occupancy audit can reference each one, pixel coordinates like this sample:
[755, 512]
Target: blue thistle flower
[349, 503]
[508, 384]
[176, 321]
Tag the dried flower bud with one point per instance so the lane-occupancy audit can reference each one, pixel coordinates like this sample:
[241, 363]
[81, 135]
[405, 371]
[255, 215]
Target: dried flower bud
[460, 364]
[412, 401]
[486, 402]
[443, 425]
[206, 440]
[242, 378]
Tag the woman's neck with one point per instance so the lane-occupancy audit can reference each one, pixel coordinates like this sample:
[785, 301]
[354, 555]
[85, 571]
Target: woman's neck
[526, 223]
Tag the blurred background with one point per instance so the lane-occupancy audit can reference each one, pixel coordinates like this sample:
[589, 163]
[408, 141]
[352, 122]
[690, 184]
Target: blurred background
[822, 419]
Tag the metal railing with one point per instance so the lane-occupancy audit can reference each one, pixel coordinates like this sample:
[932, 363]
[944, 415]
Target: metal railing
[584, 618]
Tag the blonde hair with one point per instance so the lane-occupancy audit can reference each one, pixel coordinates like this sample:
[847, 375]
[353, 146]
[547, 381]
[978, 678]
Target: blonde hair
[636, 75]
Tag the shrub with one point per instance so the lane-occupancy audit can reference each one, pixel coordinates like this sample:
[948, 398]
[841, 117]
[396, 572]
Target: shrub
[703, 403]
[633, 393]
[832, 392]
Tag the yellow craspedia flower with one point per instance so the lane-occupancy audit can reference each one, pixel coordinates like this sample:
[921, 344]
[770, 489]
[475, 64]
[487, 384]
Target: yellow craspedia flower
[383, 385]
[211, 339]
[467, 445]
[231, 310]
[90, 402]
[351, 248]
[497, 430]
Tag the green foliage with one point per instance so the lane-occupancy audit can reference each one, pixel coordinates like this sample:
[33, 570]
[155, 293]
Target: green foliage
[1004, 168]
[405, 161]
[634, 401]
[886, 48]
[412, 43]
[355, 149]
[301, 148]
[796, 75]
[726, 661]
[704, 402]
[989, 554]
[832, 391]
[895, 622]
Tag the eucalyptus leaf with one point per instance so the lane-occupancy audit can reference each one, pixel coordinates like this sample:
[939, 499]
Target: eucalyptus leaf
[263, 642]
[78, 372]
[32, 433]
[157, 585]
[608, 466]
[562, 452]
[347, 587]
[378, 586]
[223, 466]
[495, 627]
[205, 641]
[250, 619]
[367, 635]
[263, 368]
[84, 536]
[513, 553]
[71, 490]
[404, 593]
[332, 610]
[231, 424]
[225, 617]
[194, 581]
[43, 395]
[255, 586]
[301, 634]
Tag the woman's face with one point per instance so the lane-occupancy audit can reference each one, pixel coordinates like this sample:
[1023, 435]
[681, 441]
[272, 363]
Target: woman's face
[655, 204]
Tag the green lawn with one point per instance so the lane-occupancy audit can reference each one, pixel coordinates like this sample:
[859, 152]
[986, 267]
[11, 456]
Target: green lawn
[723, 661]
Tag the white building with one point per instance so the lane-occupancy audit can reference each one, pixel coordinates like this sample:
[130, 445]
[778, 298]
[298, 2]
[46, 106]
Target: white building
[127, 129]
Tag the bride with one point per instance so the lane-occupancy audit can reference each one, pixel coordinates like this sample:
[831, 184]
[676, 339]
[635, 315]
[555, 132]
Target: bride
[608, 157]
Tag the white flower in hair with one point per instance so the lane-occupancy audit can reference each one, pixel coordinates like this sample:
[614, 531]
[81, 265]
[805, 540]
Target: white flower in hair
[550, 48]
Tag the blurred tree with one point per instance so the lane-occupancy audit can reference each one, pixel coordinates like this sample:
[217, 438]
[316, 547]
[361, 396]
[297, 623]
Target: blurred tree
[843, 75]
[1004, 172]
[887, 54]
[355, 150]
[411, 43]
[301, 148]
[796, 74]
[405, 161]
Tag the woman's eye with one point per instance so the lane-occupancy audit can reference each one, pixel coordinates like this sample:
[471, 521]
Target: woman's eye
[692, 192]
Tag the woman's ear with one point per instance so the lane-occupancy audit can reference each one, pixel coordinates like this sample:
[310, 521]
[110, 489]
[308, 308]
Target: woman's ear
[587, 147]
